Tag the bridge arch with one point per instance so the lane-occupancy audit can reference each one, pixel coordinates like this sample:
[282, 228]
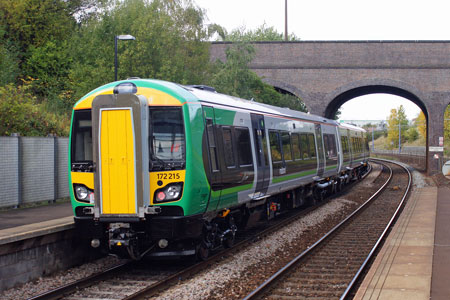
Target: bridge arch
[285, 86]
[355, 89]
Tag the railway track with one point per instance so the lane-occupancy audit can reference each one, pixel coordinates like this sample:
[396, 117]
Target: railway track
[134, 280]
[330, 268]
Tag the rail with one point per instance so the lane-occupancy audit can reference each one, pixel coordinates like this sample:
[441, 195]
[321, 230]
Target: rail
[268, 284]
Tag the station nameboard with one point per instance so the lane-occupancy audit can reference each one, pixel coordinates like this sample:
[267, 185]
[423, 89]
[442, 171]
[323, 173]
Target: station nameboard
[436, 149]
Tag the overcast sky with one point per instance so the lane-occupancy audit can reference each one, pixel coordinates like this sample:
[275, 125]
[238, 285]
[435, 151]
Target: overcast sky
[343, 20]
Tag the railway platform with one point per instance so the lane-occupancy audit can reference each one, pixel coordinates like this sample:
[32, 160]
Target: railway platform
[414, 262]
[20, 224]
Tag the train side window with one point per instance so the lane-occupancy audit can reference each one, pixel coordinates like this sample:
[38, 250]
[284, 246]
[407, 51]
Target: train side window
[353, 144]
[296, 146]
[312, 146]
[345, 148]
[304, 146]
[326, 144]
[228, 147]
[243, 146]
[286, 144]
[275, 149]
[212, 145]
[330, 145]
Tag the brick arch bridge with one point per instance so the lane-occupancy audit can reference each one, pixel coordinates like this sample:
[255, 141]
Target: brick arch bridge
[326, 74]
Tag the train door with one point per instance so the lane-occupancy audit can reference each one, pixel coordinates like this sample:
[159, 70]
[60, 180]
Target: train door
[117, 165]
[262, 155]
[213, 172]
[320, 153]
[120, 143]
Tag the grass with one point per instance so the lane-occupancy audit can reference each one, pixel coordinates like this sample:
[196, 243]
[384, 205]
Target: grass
[382, 143]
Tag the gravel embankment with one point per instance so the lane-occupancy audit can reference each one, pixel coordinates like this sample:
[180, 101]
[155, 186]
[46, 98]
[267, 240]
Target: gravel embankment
[48, 283]
[232, 277]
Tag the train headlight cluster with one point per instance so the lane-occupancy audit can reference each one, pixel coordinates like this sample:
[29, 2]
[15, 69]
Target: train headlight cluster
[82, 193]
[171, 192]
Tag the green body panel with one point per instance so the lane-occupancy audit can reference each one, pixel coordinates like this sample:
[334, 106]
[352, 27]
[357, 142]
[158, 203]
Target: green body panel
[293, 176]
[69, 165]
[224, 117]
[196, 187]
[332, 167]
[215, 195]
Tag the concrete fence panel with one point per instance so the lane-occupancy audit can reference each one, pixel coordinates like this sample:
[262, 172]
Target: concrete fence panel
[32, 169]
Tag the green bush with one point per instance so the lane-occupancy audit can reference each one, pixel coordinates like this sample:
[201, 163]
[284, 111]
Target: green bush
[20, 113]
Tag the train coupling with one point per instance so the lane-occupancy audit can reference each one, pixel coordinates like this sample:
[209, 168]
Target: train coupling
[120, 234]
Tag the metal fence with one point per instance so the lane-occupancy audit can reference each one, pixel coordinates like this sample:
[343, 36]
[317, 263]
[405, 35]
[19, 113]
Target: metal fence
[414, 157]
[33, 169]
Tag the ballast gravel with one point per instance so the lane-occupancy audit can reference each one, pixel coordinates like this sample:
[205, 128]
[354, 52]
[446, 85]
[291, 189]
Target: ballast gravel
[203, 285]
[58, 279]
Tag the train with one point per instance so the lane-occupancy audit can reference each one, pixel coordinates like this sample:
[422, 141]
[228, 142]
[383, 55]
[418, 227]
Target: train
[162, 169]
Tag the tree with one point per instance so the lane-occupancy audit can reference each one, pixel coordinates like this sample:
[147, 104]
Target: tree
[262, 33]
[421, 124]
[396, 119]
[412, 134]
[21, 113]
[9, 65]
[169, 45]
[235, 78]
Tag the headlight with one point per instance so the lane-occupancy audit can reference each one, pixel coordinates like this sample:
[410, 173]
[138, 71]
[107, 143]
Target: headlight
[82, 193]
[170, 192]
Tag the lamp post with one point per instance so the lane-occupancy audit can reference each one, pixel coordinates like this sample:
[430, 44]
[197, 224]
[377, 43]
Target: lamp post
[125, 37]
[285, 21]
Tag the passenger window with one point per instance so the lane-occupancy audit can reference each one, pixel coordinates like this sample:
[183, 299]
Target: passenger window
[345, 145]
[325, 143]
[296, 146]
[212, 144]
[286, 143]
[312, 146]
[330, 145]
[243, 146]
[304, 146]
[275, 149]
[228, 147]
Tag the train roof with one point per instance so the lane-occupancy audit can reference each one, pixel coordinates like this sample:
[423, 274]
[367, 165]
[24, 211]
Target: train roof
[351, 127]
[207, 96]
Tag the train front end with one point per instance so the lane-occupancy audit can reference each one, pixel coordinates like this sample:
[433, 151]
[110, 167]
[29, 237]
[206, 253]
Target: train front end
[128, 164]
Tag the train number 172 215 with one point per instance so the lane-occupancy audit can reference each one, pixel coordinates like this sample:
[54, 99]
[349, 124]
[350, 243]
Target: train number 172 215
[168, 176]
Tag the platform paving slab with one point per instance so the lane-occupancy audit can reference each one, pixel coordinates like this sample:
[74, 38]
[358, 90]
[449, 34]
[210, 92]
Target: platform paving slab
[403, 268]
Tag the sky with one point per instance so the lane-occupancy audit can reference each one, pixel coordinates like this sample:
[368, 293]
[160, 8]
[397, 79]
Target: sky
[342, 20]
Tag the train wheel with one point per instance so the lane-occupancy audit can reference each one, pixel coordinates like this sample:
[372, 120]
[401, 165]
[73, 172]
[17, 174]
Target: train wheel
[230, 237]
[202, 252]
[318, 195]
[133, 251]
[339, 186]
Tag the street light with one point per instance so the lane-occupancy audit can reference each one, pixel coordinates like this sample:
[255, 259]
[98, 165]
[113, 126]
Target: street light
[125, 37]
[285, 21]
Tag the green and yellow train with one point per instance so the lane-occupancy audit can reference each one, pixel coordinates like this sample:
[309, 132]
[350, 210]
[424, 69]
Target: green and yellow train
[161, 169]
